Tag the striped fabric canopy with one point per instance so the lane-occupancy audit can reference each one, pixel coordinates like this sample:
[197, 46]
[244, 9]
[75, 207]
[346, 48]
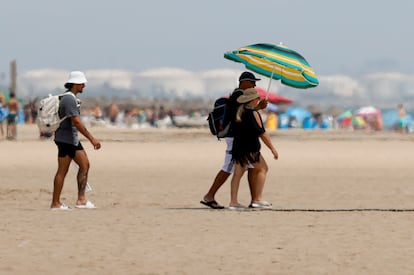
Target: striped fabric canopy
[277, 62]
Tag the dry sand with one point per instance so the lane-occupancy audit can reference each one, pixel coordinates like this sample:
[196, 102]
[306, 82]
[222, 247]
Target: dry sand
[343, 204]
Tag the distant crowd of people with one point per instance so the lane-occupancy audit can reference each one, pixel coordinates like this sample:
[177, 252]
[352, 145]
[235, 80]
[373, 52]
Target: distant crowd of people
[116, 116]
[13, 112]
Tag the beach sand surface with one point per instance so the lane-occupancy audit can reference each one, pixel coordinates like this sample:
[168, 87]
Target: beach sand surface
[343, 204]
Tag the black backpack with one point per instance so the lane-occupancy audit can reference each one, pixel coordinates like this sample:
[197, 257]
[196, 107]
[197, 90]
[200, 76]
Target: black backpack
[216, 118]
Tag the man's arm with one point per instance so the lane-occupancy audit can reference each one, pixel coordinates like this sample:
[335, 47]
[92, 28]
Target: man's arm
[82, 129]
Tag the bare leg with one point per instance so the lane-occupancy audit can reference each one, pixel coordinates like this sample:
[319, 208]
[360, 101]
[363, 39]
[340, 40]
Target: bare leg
[82, 160]
[14, 131]
[88, 187]
[251, 176]
[258, 179]
[63, 166]
[222, 175]
[235, 182]
[218, 182]
[8, 131]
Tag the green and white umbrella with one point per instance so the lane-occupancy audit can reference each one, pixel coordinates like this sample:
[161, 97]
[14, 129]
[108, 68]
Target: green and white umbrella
[276, 62]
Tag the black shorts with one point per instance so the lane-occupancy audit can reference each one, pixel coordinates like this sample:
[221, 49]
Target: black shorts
[66, 149]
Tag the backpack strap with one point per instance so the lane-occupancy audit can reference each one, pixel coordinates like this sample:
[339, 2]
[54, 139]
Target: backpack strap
[67, 93]
[60, 97]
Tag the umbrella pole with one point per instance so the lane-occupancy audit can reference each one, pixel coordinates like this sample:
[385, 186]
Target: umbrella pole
[270, 82]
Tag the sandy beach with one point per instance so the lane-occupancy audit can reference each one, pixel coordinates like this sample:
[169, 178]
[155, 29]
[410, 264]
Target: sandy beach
[343, 204]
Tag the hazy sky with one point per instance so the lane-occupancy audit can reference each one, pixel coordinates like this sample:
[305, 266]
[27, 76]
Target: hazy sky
[336, 37]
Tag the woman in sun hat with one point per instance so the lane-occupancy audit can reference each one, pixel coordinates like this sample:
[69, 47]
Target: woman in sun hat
[247, 130]
[69, 146]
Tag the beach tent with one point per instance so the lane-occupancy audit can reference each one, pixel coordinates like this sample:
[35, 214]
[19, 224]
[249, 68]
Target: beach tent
[297, 115]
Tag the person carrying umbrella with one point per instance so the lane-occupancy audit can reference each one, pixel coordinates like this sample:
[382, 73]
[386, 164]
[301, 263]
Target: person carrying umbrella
[246, 80]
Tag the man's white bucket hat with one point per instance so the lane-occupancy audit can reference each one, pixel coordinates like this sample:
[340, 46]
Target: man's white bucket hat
[77, 77]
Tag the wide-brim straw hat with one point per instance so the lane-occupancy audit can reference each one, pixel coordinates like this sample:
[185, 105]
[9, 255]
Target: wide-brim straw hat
[248, 95]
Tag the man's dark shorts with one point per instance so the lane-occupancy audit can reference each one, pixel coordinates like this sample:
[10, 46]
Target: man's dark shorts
[11, 119]
[66, 149]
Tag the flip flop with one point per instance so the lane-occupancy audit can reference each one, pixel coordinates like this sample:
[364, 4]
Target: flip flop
[237, 207]
[88, 205]
[261, 205]
[212, 204]
[62, 207]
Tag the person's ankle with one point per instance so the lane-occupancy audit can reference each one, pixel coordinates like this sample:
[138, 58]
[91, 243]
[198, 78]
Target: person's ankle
[81, 201]
[207, 198]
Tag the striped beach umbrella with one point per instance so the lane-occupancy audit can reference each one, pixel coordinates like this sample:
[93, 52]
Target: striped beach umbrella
[276, 62]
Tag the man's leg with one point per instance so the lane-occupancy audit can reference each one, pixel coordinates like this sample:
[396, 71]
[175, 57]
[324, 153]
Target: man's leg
[83, 162]
[223, 174]
[15, 130]
[63, 166]
[220, 179]
[8, 129]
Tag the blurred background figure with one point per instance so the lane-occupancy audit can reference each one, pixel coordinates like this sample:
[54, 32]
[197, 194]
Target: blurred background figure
[271, 121]
[13, 110]
[2, 114]
[97, 112]
[113, 112]
[97, 117]
[402, 119]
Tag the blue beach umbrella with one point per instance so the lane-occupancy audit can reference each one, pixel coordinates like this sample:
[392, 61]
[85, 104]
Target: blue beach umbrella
[276, 62]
